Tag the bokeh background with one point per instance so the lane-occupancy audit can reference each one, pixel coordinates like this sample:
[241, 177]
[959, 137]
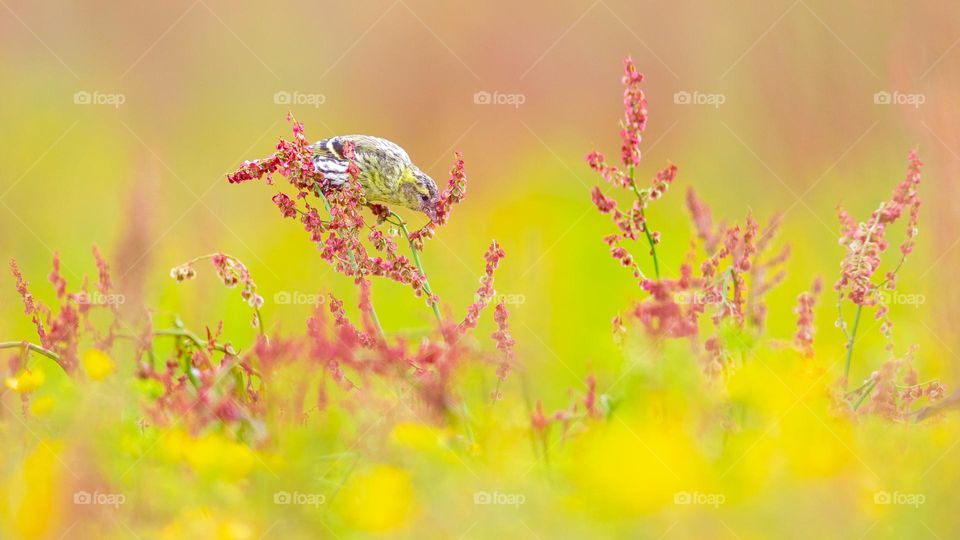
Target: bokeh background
[206, 84]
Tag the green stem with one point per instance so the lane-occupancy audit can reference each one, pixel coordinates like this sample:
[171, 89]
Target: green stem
[856, 318]
[193, 338]
[31, 347]
[653, 248]
[646, 228]
[840, 319]
[904, 387]
[353, 262]
[853, 337]
[866, 383]
[416, 260]
[466, 421]
[866, 392]
[260, 323]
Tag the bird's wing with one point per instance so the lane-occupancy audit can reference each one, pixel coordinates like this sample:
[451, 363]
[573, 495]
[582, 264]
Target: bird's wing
[328, 159]
[376, 153]
[371, 154]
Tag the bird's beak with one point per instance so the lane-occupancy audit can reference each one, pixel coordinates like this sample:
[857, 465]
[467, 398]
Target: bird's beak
[430, 209]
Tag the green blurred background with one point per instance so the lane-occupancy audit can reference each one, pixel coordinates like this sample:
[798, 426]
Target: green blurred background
[798, 131]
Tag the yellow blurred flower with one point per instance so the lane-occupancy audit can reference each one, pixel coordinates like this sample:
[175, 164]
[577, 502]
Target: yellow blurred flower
[757, 386]
[378, 500]
[628, 468]
[41, 406]
[97, 364]
[26, 380]
[747, 462]
[210, 454]
[816, 445]
[38, 507]
[201, 523]
[784, 397]
[417, 436]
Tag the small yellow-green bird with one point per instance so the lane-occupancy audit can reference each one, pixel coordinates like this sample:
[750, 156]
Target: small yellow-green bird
[386, 172]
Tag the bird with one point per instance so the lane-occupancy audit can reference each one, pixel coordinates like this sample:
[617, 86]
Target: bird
[387, 173]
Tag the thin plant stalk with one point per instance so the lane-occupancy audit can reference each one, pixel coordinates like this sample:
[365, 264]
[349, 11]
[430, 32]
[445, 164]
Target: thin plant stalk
[193, 338]
[416, 260]
[33, 348]
[866, 392]
[353, 262]
[853, 337]
[646, 228]
[857, 390]
[172, 332]
[653, 249]
[856, 318]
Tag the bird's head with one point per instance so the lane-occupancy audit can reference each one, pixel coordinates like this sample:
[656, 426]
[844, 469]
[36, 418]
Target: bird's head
[420, 193]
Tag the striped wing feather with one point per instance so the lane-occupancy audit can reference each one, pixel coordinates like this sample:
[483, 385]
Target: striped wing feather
[380, 161]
